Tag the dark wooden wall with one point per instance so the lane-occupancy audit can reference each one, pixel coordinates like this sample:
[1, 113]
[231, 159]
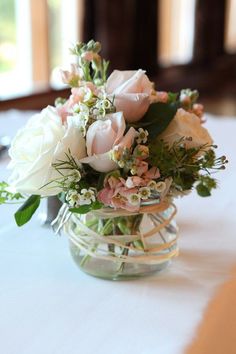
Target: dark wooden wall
[127, 31]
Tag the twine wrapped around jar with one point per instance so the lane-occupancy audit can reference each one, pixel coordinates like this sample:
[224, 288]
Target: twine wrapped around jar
[140, 245]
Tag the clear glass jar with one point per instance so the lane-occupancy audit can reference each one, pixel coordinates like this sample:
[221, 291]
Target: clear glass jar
[118, 244]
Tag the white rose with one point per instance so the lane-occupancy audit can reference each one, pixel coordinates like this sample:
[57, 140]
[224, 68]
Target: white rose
[186, 124]
[132, 91]
[43, 141]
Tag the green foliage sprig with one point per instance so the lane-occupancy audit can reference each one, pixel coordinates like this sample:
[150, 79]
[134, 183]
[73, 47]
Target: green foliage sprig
[26, 210]
[6, 195]
[188, 168]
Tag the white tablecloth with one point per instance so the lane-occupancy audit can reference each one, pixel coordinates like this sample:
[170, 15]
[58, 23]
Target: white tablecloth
[49, 306]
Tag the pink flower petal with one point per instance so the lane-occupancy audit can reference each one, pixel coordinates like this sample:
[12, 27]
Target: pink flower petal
[152, 173]
[105, 196]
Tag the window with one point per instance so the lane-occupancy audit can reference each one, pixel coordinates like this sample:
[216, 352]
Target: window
[230, 35]
[176, 31]
[34, 41]
[15, 63]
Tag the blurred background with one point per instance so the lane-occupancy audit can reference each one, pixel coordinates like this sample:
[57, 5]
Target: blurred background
[181, 44]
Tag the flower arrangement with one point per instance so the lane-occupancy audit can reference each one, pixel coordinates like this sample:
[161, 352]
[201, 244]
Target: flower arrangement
[115, 143]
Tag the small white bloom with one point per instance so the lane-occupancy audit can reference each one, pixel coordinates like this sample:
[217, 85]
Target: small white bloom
[144, 192]
[133, 170]
[160, 187]
[73, 198]
[116, 154]
[142, 136]
[152, 185]
[134, 199]
[107, 104]
[87, 196]
[121, 164]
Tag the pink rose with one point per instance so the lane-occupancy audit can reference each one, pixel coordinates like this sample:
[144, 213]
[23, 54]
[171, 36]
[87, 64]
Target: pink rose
[102, 136]
[132, 91]
[188, 125]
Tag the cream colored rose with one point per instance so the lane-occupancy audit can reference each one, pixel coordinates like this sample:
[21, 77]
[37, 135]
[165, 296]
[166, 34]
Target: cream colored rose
[132, 90]
[186, 124]
[43, 141]
[102, 136]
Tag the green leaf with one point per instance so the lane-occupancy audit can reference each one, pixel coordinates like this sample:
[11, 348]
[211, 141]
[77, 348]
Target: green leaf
[202, 190]
[5, 195]
[107, 228]
[83, 209]
[83, 184]
[157, 118]
[25, 212]
[172, 96]
[97, 205]
[2, 200]
[123, 227]
[139, 244]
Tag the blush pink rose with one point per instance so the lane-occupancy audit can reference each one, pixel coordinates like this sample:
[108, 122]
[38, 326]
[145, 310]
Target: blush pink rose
[186, 124]
[132, 91]
[102, 136]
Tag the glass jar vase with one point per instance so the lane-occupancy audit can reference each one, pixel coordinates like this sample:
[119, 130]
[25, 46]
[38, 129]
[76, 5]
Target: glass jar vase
[117, 244]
